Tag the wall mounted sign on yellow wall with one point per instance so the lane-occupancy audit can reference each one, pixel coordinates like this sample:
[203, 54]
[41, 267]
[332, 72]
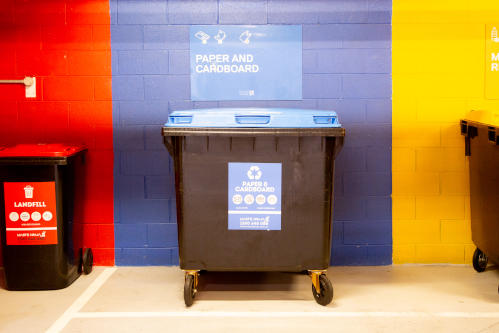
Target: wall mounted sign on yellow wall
[492, 61]
[432, 91]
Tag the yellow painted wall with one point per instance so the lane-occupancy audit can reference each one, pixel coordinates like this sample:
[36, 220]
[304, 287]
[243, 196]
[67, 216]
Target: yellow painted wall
[438, 76]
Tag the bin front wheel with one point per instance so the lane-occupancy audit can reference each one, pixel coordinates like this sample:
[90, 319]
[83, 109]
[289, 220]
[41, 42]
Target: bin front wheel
[480, 260]
[87, 261]
[189, 290]
[325, 296]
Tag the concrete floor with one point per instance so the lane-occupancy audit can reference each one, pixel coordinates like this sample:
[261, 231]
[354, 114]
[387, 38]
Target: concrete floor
[405, 298]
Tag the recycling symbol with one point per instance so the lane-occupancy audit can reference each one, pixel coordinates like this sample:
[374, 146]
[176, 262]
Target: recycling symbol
[254, 172]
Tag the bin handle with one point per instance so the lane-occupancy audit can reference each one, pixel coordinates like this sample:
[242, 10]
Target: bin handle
[324, 119]
[169, 145]
[493, 138]
[338, 145]
[471, 132]
[252, 119]
[180, 119]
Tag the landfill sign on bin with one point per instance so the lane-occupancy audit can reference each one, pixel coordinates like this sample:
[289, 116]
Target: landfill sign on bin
[30, 213]
[246, 62]
[255, 196]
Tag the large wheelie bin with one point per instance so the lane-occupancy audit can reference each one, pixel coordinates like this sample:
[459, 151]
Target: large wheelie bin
[41, 248]
[481, 131]
[254, 191]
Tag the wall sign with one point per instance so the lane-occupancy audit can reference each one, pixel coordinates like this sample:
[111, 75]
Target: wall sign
[492, 61]
[255, 196]
[30, 213]
[236, 62]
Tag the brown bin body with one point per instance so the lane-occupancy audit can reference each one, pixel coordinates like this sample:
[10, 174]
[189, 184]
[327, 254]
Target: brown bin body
[482, 147]
[201, 157]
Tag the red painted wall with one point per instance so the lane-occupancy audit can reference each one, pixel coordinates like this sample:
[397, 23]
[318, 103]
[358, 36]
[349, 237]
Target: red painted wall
[66, 45]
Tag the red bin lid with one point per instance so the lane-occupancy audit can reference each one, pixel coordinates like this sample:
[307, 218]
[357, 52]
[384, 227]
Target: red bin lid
[40, 150]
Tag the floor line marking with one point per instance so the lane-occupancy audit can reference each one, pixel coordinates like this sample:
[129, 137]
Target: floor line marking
[80, 302]
[249, 314]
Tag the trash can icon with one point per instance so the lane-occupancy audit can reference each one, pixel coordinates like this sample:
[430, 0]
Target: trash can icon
[28, 192]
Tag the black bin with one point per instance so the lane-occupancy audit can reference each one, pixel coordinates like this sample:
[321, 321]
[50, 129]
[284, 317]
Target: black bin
[481, 131]
[254, 191]
[41, 248]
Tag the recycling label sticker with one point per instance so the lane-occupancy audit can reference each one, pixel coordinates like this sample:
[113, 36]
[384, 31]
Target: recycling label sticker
[30, 213]
[255, 196]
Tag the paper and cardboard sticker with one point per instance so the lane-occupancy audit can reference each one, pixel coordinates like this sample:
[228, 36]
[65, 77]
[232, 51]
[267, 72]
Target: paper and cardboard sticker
[255, 196]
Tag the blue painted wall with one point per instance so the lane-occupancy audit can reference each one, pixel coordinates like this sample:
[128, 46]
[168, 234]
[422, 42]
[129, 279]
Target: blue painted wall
[346, 68]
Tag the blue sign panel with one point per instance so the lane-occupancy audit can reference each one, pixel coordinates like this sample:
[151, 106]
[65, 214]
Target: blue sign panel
[237, 62]
[255, 196]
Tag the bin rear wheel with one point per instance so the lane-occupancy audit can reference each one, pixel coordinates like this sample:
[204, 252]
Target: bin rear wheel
[480, 260]
[189, 291]
[326, 295]
[87, 261]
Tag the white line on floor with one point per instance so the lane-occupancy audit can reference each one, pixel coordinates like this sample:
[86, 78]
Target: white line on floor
[80, 302]
[339, 314]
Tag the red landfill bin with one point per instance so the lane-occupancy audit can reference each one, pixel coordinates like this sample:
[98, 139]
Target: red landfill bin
[41, 247]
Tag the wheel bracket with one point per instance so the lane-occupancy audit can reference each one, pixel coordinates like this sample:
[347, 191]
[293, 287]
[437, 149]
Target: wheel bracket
[195, 275]
[314, 275]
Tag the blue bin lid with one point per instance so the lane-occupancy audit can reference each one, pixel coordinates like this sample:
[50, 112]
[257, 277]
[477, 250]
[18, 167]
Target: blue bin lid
[253, 117]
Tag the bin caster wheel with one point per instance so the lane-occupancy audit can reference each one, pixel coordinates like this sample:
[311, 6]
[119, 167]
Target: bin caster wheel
[189, 290]
[326, 294]
[480, 260]
[87, 261]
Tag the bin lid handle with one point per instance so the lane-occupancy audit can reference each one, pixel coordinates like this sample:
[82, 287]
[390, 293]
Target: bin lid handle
[252, 119]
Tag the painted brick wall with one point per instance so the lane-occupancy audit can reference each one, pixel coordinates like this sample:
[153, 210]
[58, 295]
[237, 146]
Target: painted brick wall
[346, 67]
[438, 76]
[66, 46]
